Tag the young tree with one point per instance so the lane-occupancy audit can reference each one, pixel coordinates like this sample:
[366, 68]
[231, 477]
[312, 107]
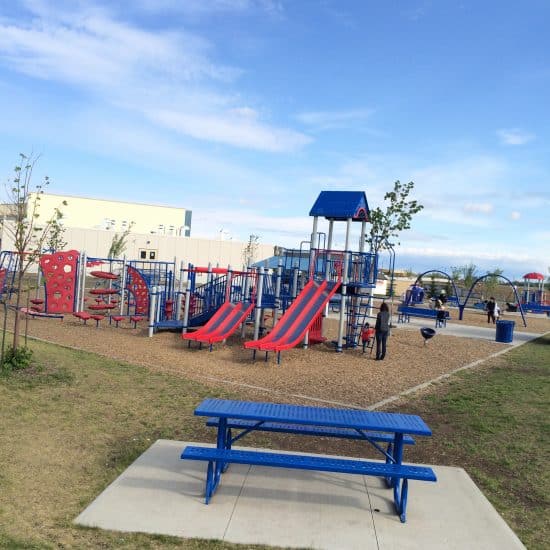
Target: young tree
[432, 290]
[469, 274]
[491, 282]
[23, 226]
[251, 249]
[465, 274]
[55, 240]
[119, 243]
[387, 224]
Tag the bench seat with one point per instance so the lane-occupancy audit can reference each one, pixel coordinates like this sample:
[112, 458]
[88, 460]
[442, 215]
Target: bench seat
[223, 457]
[405, 312]
[320, 431]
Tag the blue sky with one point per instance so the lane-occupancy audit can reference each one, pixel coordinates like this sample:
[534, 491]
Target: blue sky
[244, 110]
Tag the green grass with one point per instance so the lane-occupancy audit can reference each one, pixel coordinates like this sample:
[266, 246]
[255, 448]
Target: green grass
[494, 423]
[69, 427]
[74, 421]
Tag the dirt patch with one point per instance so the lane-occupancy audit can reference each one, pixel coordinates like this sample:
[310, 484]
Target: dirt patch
[307, 376]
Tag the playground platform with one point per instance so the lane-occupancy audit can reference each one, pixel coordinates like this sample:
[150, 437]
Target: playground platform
[162, 494]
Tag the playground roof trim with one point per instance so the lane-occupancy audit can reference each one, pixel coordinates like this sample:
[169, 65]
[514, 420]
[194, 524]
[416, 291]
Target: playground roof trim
[533, 276]
[341, 205]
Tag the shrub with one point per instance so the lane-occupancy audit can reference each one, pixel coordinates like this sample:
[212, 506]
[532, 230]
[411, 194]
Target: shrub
[16, 359]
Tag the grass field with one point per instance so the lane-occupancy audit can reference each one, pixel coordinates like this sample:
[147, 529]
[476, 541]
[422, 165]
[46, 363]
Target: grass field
[74, 421]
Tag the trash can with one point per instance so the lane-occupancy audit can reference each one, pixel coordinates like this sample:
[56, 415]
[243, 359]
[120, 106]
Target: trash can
[505, 331]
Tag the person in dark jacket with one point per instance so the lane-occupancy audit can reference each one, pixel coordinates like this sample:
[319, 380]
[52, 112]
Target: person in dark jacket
[382, 328]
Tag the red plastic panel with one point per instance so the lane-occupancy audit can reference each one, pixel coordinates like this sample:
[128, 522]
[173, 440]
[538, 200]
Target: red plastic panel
[60, 272]
[104, 275]
[135, 283]
[2, 278]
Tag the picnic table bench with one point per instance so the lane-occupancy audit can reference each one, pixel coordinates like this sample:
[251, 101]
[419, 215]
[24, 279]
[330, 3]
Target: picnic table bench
[406, 312]
[395, 429]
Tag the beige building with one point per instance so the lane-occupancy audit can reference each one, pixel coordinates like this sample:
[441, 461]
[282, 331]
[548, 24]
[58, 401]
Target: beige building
[159, 233]
[90, 213]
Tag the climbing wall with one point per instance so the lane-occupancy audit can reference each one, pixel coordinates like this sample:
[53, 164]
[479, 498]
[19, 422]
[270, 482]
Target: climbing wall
[3, 273]
[60, 271]
[136, 285]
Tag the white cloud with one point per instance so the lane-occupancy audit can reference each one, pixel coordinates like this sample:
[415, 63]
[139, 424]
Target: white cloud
[450, 215]
[478, 208]
[231, 128]
[285, 231]
[330, 120]
[515, 215]
[165, 76]
[514, 136]
[541, 236]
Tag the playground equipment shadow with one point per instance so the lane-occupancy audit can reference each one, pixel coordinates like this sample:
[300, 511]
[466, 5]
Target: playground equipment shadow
[159, 493]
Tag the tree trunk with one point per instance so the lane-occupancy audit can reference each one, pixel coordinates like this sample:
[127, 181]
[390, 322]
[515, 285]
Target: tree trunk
[17, 322]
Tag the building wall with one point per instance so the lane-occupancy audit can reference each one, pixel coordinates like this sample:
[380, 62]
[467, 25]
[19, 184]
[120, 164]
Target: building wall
[199, 252]
[91, 213]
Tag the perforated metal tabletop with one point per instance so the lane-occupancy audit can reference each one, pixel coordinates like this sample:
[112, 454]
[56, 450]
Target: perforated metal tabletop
[316, 416]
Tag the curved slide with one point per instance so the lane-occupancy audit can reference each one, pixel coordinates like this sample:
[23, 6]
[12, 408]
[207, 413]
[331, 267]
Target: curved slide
[293, 325]
[224, 323]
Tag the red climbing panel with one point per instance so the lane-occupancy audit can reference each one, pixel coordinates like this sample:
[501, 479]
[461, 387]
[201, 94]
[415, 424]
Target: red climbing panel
[60, 271]
[3, 272]
[104, 275]
[135, 283]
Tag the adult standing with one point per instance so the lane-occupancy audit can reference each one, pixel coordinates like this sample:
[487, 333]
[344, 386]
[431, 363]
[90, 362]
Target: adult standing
[491, 308]
[382, 329]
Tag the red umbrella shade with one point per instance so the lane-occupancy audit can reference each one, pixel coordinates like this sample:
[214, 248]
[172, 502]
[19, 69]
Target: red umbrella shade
[534, 276]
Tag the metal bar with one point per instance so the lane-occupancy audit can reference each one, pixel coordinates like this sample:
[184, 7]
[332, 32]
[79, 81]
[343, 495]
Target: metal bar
[246, 431]
[386, 453]
[258, 312]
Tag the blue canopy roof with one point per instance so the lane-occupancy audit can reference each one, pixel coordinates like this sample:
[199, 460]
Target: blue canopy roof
[341, 205]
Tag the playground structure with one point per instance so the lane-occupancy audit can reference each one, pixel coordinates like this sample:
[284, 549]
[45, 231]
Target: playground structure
[186, 297]
[297, 290]
[455, 298]
[8, 268]
[533, 296]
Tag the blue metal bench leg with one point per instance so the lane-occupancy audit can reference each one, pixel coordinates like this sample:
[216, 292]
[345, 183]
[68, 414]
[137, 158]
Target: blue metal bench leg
[400, 499]
[221, 443]
[228, 438]
[389, 450]
[397, 453]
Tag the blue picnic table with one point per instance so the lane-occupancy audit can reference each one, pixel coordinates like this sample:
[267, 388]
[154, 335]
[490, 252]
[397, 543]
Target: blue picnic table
[374, 427]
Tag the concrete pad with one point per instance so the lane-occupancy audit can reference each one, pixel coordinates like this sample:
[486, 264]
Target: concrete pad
[452, 514]
[160, 493]
[303, 509]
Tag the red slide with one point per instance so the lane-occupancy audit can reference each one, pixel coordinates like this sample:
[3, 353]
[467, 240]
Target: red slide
[297, 320]
[224, 323]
